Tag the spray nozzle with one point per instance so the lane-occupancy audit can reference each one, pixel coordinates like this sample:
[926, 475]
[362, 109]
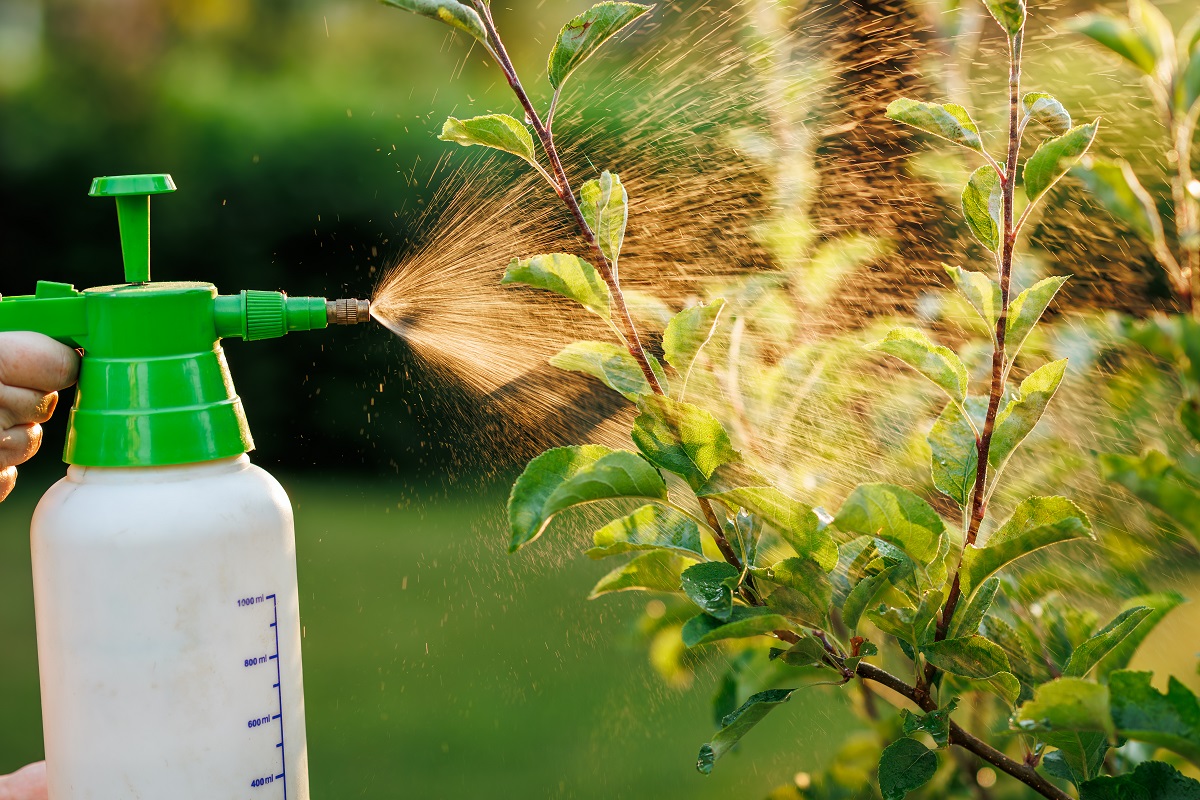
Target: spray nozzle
[154, 385]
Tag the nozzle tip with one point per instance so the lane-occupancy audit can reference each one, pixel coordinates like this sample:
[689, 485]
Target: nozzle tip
[347, 312]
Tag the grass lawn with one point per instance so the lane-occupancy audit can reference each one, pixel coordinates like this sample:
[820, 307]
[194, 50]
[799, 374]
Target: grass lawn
[438, 666]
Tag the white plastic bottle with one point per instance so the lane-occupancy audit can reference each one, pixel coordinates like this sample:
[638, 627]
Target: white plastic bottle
[169, 634]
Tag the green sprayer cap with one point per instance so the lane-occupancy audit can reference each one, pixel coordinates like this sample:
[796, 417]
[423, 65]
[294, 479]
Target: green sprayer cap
[154, 386]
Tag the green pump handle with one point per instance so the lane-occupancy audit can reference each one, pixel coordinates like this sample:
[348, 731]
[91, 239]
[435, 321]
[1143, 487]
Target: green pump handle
[154, 386]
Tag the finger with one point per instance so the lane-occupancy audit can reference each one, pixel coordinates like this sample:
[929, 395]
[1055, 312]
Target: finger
[19, 443]
[22, 406]
[8, 479]
[33, 361]
[27, 783]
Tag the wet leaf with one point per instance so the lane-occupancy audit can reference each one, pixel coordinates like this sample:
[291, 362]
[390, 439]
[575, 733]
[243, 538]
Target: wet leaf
[1117, 35]
[1170, 720]
[568, 476]
[940, 364]
[1036, 522]
[805, 653]
[1025, 311]
[738, 724]
[710, 586]
[563, 274]
[610, 363]
[497, 131]
[1160, 604]
[1022, 413]
[453, 13]
[1044, 108]
[912, 625]
[967, 621]
[687, 334]
[805, 592]
[954, 454]
[1054, 157]
[1079, 757]
[895, 515]
[584, 34]
[1187, 89]
[905, 765]
[935, 723]
[975, 657]
[982, 205]
[950, 121]
[656, 571]
[681, 438]
[605, 207]
[1009, 13]
[981, 291]
[1149, 780]
[744, 622]
[1088, 655]
[864, 595]
[1067, 704]
[651, 527]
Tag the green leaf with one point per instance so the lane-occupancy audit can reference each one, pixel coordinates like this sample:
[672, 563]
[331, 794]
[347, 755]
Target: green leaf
[975, 657]
[568, 476]
[1009, 13]
[687, 333]
[805, 592]
[605, 207]
[1022, 413]
[1170, 720]
[497, 131]
[1079, 757]
[564, 274]
[1160, 605]
[1025, 312]
[864, 594]
[1187, 87]
[1150, 780]
[743, 623]
[651, 527]
[895, 515]
[982, 205]
[935, 723]
[1044, 108]
[1157, 480]
[905, 765]
[584, 34]
[453, 13]
[1115, 185]
[681, 438]
[656, 571]
[1036, 522]
[940, 364]
[1089, 654]
[1067, 704]
[1054, 157]
[981, 292]
[912, 625]
[971, 617]
[738, 724]
[796, 522]
[710, 586]
[954, 454]
[805, 653]
[1118, 36]
[610, 363]
[950, 122]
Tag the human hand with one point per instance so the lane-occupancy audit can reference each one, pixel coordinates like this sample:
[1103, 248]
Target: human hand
[27, 783]
[33, 368]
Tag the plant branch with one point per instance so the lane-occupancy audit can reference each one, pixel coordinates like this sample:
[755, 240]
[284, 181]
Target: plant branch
[1187, 212]
[1008, 241]
[960, 737]
[567, 194]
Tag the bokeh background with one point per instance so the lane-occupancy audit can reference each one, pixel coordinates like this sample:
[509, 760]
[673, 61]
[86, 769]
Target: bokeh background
[301, 134]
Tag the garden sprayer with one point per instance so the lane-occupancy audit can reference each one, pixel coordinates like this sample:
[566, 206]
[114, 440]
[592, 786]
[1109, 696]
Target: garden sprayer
[164, 563]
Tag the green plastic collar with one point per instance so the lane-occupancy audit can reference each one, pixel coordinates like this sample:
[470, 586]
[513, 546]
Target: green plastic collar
[154, 387]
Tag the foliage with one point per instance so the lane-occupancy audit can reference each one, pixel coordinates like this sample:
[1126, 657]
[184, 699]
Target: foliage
[832, 597]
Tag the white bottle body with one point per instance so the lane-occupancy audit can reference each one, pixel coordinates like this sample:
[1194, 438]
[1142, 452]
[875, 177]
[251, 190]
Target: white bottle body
[169, 634]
